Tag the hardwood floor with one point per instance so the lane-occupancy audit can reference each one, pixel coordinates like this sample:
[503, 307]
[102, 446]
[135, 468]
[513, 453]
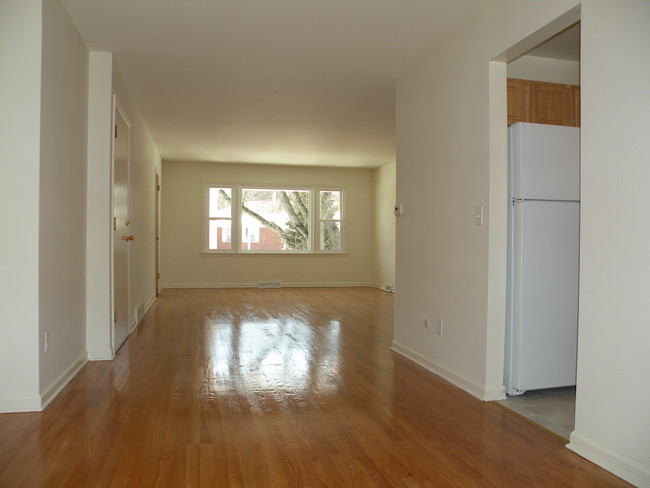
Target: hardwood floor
[275, 388]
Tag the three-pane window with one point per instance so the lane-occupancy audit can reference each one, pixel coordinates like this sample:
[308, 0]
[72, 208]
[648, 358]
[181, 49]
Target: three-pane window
[274, 219]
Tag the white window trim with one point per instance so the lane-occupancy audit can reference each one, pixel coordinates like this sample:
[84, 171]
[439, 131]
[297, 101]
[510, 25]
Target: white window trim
[317, 220]
[235, 232]
[234, 239]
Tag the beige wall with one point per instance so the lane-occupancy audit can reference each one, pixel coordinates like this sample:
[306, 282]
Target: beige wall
[62, 270]
[183, 264]
[20, 99]
[613, 394]
[384, 257]
[545, 69]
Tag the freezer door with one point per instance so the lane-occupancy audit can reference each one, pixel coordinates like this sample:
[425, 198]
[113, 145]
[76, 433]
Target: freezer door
[545, 161]
[545, 295]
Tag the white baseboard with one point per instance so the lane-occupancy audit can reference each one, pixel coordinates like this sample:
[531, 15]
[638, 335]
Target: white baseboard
[38, 403]
[255, 285]
[149, 303]
[609, 459]
[474, 389]
[100, 354]
[59, 383]
[147, 306]
[15, 405]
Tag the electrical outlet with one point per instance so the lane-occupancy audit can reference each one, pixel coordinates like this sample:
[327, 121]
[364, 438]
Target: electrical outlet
[46, 341]
[427, 324]
[440, 327]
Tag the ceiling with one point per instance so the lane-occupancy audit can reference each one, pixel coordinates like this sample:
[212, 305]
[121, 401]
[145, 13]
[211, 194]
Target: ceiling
[285, 81]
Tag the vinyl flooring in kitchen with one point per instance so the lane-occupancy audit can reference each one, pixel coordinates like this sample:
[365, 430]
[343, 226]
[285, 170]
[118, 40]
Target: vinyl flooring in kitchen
[553, 409]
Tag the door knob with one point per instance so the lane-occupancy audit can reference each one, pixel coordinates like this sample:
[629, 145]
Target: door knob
[128, 237]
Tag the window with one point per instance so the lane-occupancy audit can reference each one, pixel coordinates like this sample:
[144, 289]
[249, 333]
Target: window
[219, 218]
[294, 220]
[330, 220]
[282, 217]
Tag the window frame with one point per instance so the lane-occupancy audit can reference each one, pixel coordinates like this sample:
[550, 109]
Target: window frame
[314, 221]
[234, 240]
[318, 220]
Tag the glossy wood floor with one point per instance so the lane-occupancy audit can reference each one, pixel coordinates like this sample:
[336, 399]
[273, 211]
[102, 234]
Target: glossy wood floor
[275, 388]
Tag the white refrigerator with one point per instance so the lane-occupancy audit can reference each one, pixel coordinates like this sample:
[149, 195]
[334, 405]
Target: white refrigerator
[543, 228]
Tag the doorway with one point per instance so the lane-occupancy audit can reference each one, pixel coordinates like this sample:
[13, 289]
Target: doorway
[550, 75]
[121, 235]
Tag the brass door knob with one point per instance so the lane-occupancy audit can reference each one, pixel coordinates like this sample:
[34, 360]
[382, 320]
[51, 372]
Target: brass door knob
[128, 237]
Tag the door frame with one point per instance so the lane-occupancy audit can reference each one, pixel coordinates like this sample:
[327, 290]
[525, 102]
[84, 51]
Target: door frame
[157, 231]
[118, 110]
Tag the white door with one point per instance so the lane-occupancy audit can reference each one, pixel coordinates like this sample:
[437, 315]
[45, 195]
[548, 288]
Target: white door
[121, 236]
[157, 227]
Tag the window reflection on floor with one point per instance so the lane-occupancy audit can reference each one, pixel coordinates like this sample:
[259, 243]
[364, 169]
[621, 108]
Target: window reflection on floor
[281, 355]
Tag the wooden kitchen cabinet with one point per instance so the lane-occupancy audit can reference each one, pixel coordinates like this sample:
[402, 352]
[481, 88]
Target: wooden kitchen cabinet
[543, 103]
[518, 101]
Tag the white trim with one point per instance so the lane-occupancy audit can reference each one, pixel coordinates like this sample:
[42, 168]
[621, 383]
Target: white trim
[61, 382]
[317, 220]
[610, 459]
[101, 354]
[16, 405]
[146, 308]
[255, 285]
[38, 403]
[381, 286]
[455, 379]
[149, 304]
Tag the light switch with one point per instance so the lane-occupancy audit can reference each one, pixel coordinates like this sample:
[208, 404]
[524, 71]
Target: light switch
[478, 215]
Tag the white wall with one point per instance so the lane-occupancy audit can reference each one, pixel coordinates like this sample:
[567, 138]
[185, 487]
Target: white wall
[183, 265]
[145, 160]
[545, 69]
[20, 99]
[384, 256]
[62, 257]
[451, 157]
[613, 393]
[98, 207]
[106, 81]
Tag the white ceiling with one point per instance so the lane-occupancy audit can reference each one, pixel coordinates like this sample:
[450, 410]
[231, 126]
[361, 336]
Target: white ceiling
[281, 81]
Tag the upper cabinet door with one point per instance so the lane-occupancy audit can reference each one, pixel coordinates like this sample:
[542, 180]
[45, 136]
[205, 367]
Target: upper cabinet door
[576, 104]
[552, 104]
[518, 101]
[543, 103]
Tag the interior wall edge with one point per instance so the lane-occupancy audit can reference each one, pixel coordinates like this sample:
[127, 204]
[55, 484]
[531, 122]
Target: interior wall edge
[21, 405]
[609, 459]
[100, 354]
[53, 389]
[468, 386]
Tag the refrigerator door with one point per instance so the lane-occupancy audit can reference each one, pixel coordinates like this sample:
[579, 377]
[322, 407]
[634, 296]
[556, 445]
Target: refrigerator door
[546, 161]
[545, 295]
